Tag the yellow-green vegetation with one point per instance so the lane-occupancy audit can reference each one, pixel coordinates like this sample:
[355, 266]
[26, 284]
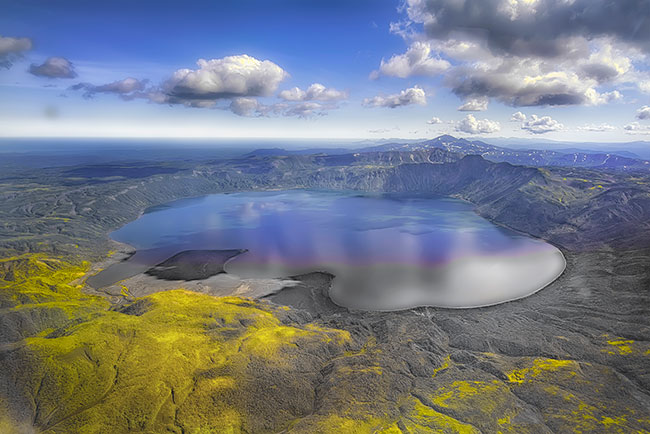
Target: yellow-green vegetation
[541, 367]
[583, 417]
[488, 405]
[413, 417]
[621, 346]
[178, 363]
[173, 361]
[33, 283]
[567, 397]
[37, 278]
[7, 422]
[445, 365]
[564, 191]
[422, 419]
[617, 346]
[362, 399]
[554, 191]
[329, 424]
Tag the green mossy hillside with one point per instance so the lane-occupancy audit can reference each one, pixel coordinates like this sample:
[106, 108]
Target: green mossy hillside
[181, 362]
[191, 361]
[39, 294]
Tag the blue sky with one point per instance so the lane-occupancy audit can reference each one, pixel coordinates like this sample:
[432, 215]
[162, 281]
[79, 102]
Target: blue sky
[363, 69]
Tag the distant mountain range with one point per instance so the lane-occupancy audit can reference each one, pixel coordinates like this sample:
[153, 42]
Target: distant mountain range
[524, 157]
[635, 149]
[569, 157]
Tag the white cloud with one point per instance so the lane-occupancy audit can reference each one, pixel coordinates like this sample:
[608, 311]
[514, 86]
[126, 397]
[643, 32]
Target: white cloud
[251, 107]
[315, 92]
[471, 125]
[541, 125]
[233, 81]
[14, 45]
[530, 52]
[528, 83]
[606, 64]
[307, 109]
[10, 48]
[244, 106]
[643, 112]
[127, 85]
[417, 61]
[533, 27]
[594, 98]
[518, 117]
[413, 95]
[644, 86]
[600, 128]
[474, 105]
[127, 88]
[434, 121]
[636, 128]
[316, 100]
[226, 78]
[54, 67]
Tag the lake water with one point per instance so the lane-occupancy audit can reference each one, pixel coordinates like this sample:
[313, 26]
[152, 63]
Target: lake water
[386, 252]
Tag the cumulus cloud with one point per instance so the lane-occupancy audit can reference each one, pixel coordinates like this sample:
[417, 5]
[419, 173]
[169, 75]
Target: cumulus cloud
[9, 45]
[518, 117]
[413, 95]
[247, 107]
[316, 100]
[532, 52]
[606, 64]
[598, 128]
[12, 48]
[315, 92]
[127, 88]
[541, 125]
[471, 125]
[306, 109]
[251, 107]
[603, 98]
[523, 85]
[54, 67]
[534, 27]
[474, 105]
[643, 112]
[231, 83]
[636, 128]
[222, 79]
[434, 121]
[417, 61]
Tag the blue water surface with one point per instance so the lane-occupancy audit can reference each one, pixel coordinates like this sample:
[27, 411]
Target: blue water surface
[408, 250]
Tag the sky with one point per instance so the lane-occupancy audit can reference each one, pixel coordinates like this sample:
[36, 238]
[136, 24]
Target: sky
[574, 70]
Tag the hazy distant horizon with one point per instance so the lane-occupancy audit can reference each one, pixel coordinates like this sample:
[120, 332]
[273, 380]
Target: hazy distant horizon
[315, 139]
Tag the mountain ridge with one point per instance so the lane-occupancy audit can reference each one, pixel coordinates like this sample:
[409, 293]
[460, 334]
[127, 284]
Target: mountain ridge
[526, 157]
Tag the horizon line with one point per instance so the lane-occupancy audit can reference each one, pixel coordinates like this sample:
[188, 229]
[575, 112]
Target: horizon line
[242, 138]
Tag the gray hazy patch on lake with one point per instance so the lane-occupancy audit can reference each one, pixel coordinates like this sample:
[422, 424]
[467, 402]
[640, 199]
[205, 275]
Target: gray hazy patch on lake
[387, 252]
